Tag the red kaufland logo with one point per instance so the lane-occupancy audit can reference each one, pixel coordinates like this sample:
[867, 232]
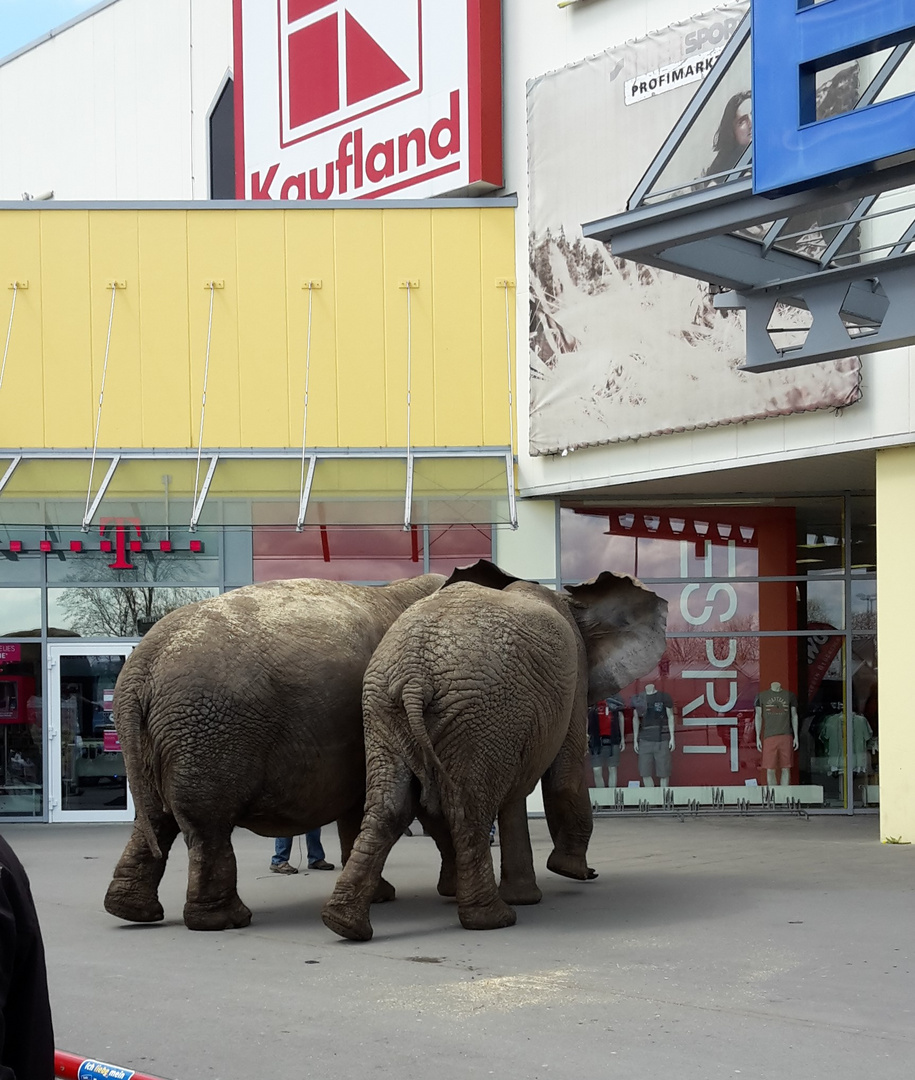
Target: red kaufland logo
[366, 98]
[341, 59]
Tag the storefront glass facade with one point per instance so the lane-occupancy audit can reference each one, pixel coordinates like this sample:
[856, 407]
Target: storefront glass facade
[770, 672]
[68, 619]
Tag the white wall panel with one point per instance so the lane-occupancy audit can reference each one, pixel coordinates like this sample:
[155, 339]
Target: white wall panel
[115, 106]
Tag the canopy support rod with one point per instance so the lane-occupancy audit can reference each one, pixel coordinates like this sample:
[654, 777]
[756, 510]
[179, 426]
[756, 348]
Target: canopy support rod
[204, 491]
[306, 492]
[100, 494]
[409, 285]
[211, 285]
[9, 331]
[4, 480]
[303, 481]
[509, 457]
[87, 517]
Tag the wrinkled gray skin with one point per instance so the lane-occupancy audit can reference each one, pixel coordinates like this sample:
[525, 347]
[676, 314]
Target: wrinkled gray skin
[472, 697]
[245, 710]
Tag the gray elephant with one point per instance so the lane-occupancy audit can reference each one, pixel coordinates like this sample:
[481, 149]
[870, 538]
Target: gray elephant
[472, 697]
[245, 710]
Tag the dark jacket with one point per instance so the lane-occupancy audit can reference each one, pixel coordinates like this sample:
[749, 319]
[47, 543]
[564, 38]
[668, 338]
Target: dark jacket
[26, 1034]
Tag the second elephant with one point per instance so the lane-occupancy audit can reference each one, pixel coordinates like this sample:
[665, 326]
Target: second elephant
[474, 695]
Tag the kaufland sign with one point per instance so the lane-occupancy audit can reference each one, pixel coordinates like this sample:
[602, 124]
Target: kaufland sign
[358, 99]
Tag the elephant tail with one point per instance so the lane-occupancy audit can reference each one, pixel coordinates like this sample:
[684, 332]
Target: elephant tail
[434, 778]
[133, 733]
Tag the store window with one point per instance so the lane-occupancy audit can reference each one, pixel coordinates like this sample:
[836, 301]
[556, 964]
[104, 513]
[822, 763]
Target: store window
[128, 611]
[21, 791]
[372, 555]
[768, 682]
[20, 612]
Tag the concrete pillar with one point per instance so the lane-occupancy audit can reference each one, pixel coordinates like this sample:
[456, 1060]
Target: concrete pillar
[895, 633]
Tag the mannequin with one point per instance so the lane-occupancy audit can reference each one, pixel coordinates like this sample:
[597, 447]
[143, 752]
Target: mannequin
[653, 734]
[776, 732]
[832, 736]
[606, 740]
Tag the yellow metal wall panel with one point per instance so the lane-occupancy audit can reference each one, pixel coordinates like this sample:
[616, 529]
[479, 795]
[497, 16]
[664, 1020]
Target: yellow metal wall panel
[114, 256]
[262, 342]
[165, 375]
[360, 327]
[22, 392]
[310, 257]
[408, 326]
[895, 597]
[458, 394]
[497, 263]
[212, 256]
[65, 328]
[259, 328]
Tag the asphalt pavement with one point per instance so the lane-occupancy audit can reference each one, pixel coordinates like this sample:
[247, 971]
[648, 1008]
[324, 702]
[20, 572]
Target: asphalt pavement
[708, 947]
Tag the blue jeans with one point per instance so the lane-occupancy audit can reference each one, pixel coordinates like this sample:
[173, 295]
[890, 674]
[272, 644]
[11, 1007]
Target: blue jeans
[283, 848]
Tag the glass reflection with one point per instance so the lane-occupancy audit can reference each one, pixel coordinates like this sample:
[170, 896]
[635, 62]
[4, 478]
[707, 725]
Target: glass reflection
[125, 612]
[700, 542]
[20, 613]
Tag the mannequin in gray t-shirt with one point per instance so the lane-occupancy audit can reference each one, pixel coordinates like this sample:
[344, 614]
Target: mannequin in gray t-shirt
[653, 734]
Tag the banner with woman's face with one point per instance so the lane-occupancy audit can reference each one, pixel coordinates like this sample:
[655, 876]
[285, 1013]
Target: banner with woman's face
[620, 350]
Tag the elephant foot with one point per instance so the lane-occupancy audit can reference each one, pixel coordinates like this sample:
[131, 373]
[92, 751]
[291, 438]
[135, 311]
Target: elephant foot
[343, 921]
[383, 893]
[232, 916]
[570, 866]
[520, 893]
[447, 882]
[492, 916]
[132, 905]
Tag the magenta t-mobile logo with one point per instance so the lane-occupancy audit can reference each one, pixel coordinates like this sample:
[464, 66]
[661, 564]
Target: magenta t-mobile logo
[342, 59]
[125, 529]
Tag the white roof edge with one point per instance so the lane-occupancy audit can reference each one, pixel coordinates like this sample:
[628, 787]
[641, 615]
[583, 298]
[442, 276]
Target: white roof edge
[56, 31]
[439, 202]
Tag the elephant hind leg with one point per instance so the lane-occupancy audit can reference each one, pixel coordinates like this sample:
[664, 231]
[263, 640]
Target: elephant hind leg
[479, 905]
[348, 826]
[388, 812]
[437, 827]
[133, 894]
[212, 900]
[518, 882]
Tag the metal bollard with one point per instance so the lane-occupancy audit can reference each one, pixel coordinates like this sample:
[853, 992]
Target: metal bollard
[73, 1067]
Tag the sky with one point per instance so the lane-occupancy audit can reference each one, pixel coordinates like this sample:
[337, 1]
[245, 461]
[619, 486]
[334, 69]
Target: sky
[21, 21]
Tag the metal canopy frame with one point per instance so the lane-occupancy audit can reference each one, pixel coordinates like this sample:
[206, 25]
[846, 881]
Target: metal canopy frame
[714, 229]
[313, 457]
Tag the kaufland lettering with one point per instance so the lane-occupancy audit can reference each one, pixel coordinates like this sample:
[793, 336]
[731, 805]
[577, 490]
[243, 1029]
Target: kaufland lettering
[362, 99]
[355, 167]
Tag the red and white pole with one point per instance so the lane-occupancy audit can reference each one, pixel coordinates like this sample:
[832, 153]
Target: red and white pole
[73, 1067]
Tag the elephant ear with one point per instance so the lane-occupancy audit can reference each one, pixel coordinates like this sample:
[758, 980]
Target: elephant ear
[624, 626]
[483, 573]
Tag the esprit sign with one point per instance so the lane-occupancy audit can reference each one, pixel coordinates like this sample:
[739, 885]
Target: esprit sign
[365, 98]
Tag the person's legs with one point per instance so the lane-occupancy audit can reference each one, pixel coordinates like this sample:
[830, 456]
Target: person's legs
[315, 851]
[282, 849]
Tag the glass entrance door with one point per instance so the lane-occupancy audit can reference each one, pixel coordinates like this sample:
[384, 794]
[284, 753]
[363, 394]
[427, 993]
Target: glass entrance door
[86, 766]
